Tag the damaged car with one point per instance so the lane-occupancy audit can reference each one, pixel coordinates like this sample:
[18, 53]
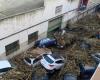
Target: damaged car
[34, 61]
[46, 42]
[52, 62]
[5, 66]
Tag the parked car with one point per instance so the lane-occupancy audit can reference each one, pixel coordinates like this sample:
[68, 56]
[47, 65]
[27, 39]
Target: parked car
[46, 42]
[34, 61]
[86, 72]
[96, 57]
[69, 76]
[52, 62]
[4, 66]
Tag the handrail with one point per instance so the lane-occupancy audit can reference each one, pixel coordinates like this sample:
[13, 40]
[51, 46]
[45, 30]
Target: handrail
[83, 13]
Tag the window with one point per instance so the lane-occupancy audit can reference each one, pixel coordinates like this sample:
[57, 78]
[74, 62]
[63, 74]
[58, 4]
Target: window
[48, 59]
[12, 47]
[60, 61]
[32, 37]
[58, 9]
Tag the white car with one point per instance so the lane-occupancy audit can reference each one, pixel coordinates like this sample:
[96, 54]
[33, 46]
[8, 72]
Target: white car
[34, 61]
[4, 66]
[52, 62]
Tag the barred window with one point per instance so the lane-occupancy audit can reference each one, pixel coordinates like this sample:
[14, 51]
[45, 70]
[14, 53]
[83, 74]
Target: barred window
[10, 48]
[32, 37]
[58, 9]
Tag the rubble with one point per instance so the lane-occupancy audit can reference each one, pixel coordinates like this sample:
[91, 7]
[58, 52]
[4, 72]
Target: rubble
[23, 71]
[78, 32]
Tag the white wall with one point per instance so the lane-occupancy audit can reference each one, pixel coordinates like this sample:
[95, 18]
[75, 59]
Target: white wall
[18, 23]
[52, 4]
[70, 6]
[24, 21]
[42, 28]
[23, 37]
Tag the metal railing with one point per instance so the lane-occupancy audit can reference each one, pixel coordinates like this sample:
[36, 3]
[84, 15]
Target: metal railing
[83, 14]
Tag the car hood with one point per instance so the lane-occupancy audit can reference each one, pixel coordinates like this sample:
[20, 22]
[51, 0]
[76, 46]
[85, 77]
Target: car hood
[4, 64]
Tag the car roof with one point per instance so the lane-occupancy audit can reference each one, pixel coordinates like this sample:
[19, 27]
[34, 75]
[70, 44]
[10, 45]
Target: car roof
[56, 56]
[4, 64]
[46, 39]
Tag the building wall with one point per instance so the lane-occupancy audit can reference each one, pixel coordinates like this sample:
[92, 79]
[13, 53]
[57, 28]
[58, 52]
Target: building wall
[19, 27]
[74, 13]
[23, 38]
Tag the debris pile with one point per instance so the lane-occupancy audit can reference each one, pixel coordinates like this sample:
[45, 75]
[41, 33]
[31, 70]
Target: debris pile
[81, 42]
[23, 71]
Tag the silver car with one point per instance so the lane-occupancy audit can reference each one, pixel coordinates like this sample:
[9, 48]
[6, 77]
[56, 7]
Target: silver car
[52, 62]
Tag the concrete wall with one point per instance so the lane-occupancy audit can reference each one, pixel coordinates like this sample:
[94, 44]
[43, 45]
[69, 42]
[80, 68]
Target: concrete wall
[15, 24]
[23, 38]
[27, 20]
[71, 5]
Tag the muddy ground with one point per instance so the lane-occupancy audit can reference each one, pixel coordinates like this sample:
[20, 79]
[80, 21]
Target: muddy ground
[84, 29]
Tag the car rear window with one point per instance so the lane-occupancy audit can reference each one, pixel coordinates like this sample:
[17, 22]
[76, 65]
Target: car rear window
[44, 41]
[48, 59]
[28, 60]
[36, 59]
[60, 61]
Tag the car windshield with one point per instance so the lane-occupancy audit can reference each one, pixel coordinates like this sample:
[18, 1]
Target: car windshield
[97, 56]
[48, 59]
[45, 40]
[28, 60]
[37, 59]
[60, 61]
